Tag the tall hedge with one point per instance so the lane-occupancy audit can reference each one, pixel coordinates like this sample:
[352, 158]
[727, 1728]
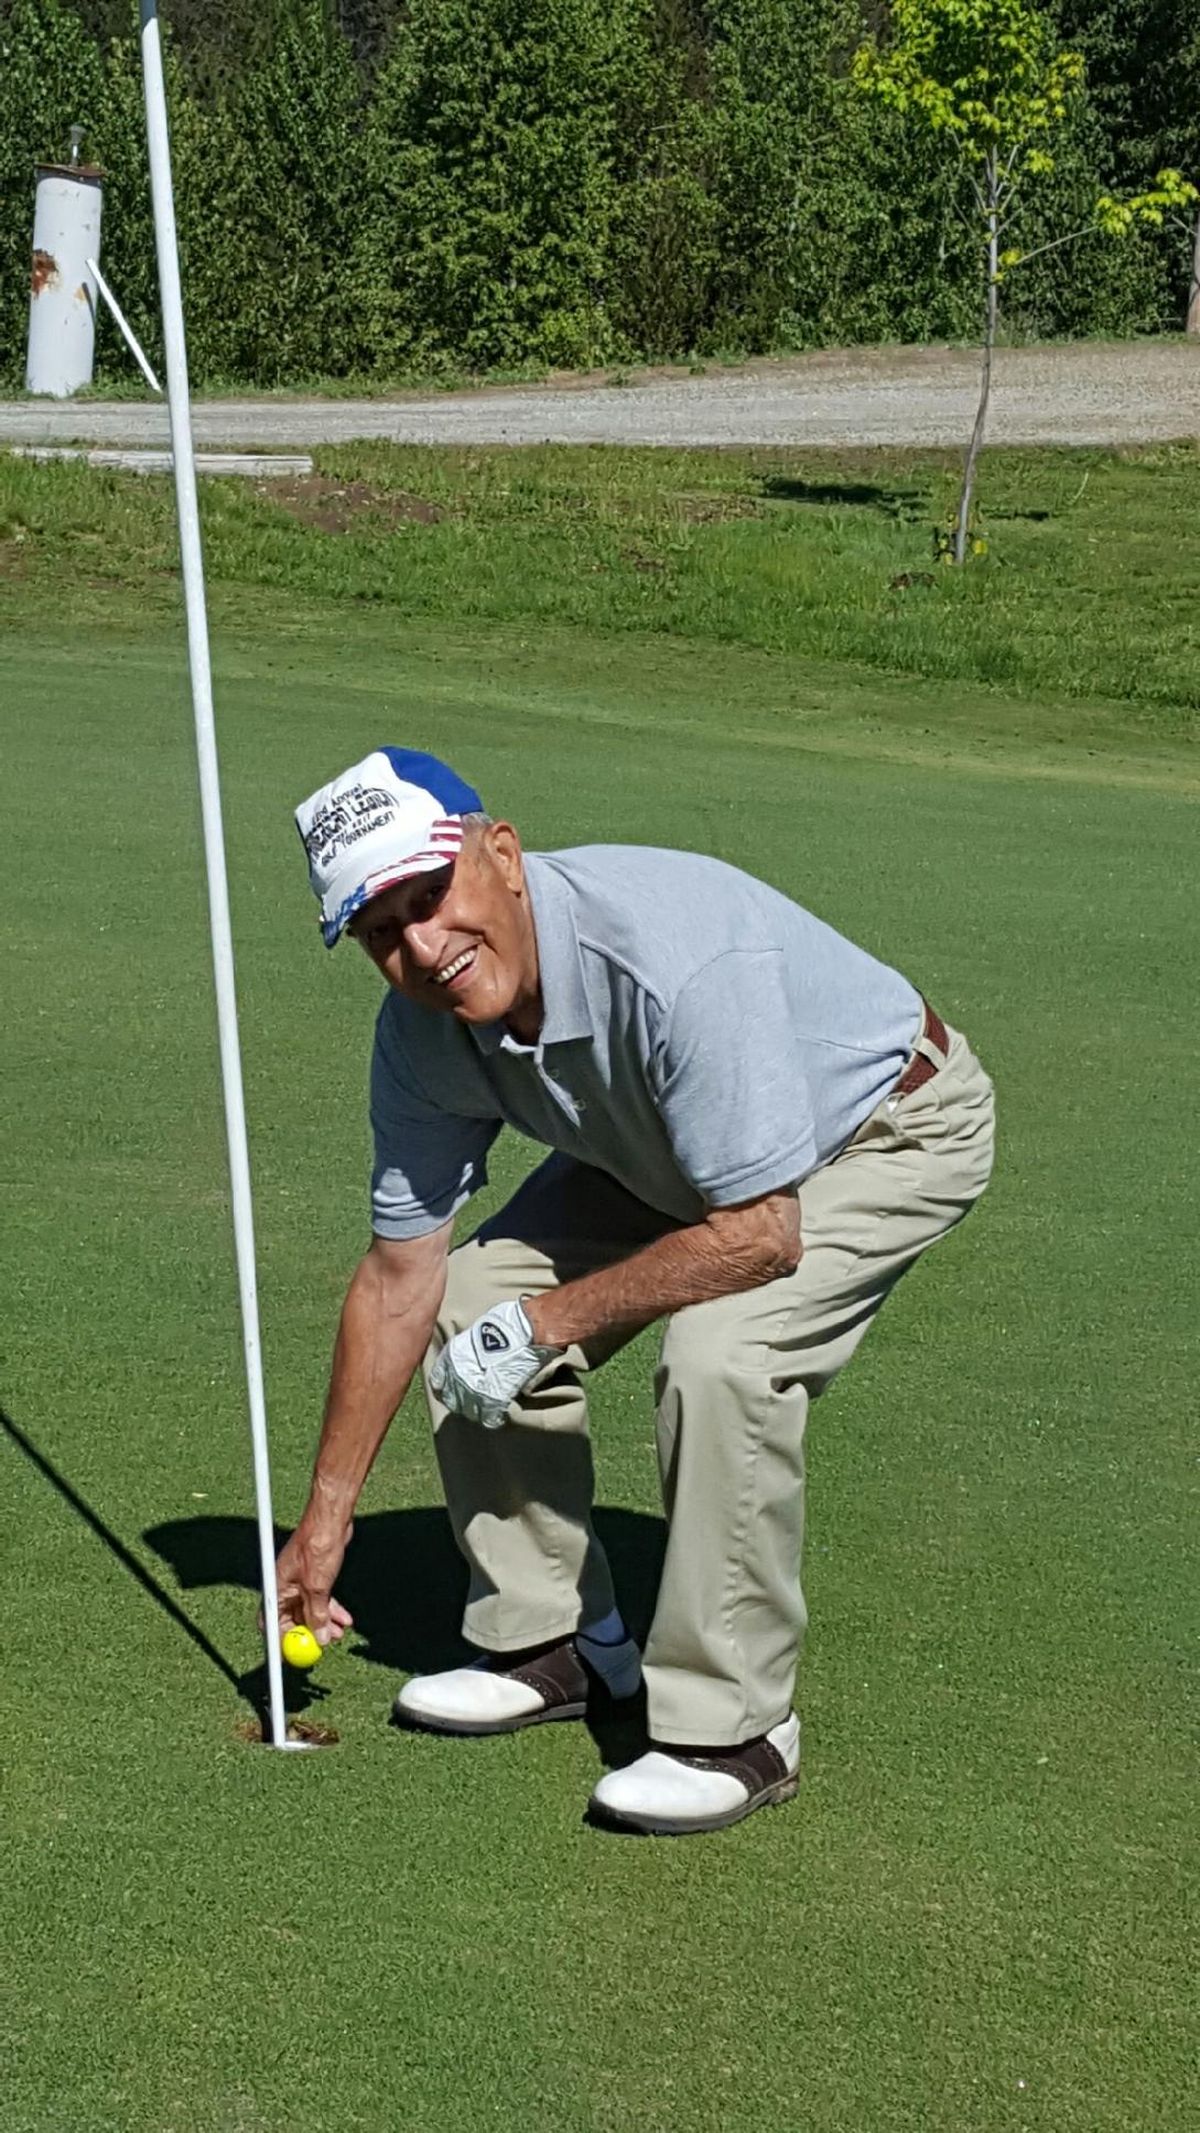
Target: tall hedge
[365, 187]
[51, 76]
[486, 214]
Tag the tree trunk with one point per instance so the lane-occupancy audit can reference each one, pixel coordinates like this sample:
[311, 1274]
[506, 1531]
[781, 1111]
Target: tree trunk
[1193, 309]
[985, 380]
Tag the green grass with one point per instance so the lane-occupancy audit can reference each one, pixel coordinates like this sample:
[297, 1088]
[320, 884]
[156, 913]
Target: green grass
[1086, 599]
[976, 1918]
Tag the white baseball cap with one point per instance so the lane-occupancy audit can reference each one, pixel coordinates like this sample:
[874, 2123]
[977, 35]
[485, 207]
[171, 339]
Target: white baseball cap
[395, 814]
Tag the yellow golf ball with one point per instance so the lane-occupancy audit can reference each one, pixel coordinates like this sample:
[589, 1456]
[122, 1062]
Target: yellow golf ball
[300, 1647]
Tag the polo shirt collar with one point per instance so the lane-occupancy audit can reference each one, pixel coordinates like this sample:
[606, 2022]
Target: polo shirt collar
[565, 1002]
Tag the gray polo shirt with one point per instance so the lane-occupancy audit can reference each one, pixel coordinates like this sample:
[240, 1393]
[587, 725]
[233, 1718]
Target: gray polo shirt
[704, 1040]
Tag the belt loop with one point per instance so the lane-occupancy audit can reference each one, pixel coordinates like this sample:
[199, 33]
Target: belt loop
[931, 1049]
[933, 1042]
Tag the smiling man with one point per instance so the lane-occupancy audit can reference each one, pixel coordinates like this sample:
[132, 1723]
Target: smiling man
[755, 1128]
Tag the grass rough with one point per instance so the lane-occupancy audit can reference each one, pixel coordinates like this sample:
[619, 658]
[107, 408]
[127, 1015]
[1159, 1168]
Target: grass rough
[1087, 594]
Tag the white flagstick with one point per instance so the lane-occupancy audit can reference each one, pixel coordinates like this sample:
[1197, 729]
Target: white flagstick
[214, 842]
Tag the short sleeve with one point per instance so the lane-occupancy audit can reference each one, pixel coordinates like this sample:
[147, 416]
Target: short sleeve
[428, 1162]
[732, 1091]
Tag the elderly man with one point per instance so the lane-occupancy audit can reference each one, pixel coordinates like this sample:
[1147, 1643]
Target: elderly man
[755, 1128]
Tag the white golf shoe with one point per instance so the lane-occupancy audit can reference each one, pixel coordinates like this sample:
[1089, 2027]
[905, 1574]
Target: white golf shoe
[676, 1792]
[496, 1697]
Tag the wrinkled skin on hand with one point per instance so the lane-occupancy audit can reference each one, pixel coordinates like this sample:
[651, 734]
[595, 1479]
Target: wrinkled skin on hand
[306, 1571]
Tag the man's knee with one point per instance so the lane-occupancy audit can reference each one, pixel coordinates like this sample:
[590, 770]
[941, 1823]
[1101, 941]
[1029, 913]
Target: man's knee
[708, 1345]
[721, 1349]
[472, 1287]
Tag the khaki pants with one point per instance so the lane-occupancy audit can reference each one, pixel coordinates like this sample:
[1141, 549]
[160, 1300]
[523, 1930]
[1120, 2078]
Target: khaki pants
[733, 1387]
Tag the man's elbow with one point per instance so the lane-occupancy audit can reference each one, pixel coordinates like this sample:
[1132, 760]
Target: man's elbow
[764, 1237]
[782, 1258]
[406, 1275]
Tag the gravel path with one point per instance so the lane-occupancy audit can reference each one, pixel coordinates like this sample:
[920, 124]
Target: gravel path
[1089, 393]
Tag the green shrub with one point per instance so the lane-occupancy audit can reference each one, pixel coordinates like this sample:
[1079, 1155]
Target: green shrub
[378, 187]
[490, 192]
[51, 77]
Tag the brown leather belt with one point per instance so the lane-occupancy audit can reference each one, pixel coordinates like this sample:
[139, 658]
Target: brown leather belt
[921, 1069]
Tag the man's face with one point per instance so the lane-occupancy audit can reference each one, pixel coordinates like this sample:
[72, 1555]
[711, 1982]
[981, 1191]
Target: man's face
[461, 941]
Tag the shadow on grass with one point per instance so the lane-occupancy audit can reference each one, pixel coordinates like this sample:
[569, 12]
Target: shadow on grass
[245, 1684]
[894, 502]
[890, 499]
[404, 1582]
[251, 1685]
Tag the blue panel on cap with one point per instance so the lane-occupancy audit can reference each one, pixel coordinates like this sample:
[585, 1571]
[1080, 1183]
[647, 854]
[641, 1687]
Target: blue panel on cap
[436, 778]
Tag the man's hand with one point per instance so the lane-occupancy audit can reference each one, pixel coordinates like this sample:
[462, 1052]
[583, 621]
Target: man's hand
[481, 1371]
[305, 1573]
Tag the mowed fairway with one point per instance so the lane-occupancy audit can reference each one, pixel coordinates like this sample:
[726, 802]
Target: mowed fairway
[975, 1918]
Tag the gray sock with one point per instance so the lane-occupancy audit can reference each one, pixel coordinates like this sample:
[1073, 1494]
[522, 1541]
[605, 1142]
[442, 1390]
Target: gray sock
[611, 1652]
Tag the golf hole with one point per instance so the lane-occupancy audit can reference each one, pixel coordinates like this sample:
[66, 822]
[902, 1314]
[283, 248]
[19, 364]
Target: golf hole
[250, 1730]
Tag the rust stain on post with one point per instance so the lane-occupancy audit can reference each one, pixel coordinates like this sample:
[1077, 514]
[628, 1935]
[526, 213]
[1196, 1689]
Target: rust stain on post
[45, 272]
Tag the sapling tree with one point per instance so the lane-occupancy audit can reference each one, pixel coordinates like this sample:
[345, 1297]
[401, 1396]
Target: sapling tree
[990, 80]
[1161, 206]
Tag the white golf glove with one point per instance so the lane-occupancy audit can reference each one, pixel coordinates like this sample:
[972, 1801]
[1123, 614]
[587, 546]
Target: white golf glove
[480, 1372]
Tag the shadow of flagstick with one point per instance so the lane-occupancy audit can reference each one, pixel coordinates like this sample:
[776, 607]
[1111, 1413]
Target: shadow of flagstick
[250, 1686]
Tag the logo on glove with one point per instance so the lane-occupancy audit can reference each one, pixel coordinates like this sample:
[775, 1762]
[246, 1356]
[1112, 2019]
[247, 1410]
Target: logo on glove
[483, 1369]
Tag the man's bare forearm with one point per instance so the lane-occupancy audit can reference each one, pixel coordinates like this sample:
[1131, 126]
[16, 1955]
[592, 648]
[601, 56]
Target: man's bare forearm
[386, 1325]
[733, 1250]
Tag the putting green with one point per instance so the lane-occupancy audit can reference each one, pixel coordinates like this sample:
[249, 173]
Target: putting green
[974, 1918]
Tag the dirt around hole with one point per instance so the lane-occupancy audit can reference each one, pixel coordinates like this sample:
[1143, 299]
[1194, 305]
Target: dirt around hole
[250, 1731]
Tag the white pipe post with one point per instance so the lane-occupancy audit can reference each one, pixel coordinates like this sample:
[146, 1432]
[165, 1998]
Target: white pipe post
[214, 842]
[66, 236]
[124, 328]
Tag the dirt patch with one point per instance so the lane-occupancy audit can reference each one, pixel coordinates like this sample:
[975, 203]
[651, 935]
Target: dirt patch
[329, 506]
[711, 510]
[305, 1729]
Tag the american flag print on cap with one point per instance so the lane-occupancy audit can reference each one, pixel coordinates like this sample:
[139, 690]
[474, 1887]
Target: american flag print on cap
[395, 814]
